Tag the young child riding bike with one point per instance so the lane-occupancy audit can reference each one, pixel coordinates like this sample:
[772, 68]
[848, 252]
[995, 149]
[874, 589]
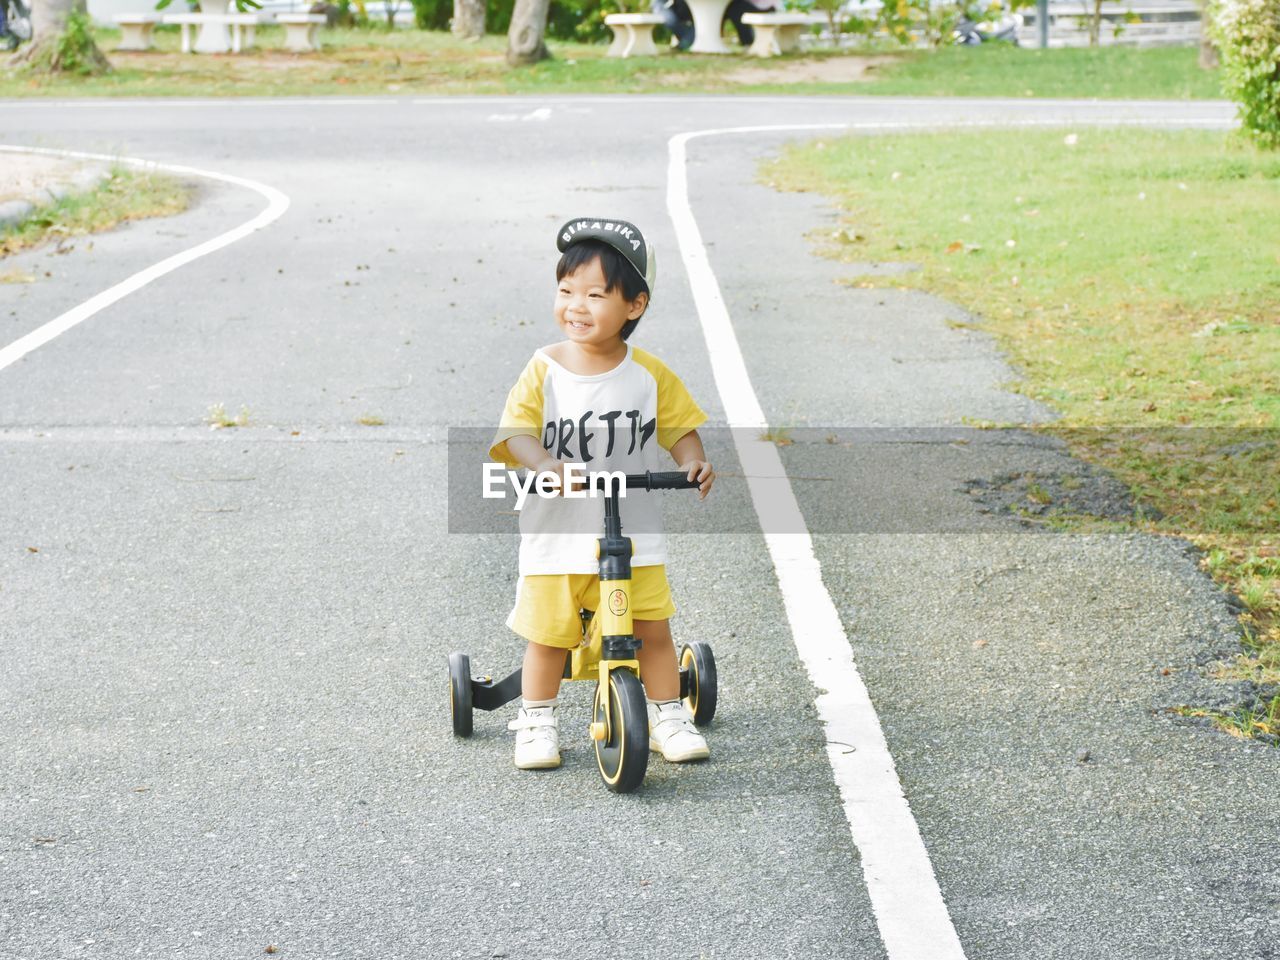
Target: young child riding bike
[597, 400]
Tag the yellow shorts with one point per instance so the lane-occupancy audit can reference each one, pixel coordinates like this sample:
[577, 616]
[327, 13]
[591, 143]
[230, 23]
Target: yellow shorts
[547, 605]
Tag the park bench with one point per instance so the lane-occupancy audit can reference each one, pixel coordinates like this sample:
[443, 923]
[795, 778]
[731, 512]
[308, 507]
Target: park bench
[238, 22]
[778, 33]
[300, 31]
[632, 34]
[136, 30]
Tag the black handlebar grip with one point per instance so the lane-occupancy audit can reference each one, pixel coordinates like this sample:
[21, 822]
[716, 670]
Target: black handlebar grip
[661, 480]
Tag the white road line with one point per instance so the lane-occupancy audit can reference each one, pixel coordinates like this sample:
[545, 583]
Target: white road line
[910, 913]
[277, 204]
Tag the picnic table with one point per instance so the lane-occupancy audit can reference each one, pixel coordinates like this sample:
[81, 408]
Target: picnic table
[220, 27]
[217, 21]
[212, 37]
[708, 15]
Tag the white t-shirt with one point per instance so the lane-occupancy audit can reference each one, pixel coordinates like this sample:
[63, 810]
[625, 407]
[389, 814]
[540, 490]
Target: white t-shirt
[623, 419]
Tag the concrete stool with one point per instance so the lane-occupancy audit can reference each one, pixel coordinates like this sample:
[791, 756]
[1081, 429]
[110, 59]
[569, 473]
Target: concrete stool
[300, 31]
[632, 34]
[778, 33]
[136, 30]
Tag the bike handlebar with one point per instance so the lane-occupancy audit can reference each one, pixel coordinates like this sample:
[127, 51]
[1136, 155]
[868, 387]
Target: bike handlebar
[651, 480]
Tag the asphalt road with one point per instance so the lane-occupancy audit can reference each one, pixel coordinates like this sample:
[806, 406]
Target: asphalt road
[223, 718]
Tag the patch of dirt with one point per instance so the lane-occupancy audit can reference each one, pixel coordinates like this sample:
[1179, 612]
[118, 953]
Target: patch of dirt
[1034, 498]
[26, 176]
[839, 69]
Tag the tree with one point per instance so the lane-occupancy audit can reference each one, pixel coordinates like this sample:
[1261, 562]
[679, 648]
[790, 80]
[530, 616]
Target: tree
[525, 42]
[1208, 49]
[468, 19]
[61, 41]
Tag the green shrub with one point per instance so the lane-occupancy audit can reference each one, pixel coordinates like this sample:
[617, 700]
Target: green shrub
[432, 14]
[1247, 33]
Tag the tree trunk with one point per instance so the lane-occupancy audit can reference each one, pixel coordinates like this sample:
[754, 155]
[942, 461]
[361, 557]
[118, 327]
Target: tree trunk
[48, 17]
[1208, 52]
[528, 26]
[468, 19]
[48, 20]
[1095, 24]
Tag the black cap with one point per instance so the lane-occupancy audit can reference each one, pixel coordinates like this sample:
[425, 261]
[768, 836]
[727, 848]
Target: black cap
[624, 237]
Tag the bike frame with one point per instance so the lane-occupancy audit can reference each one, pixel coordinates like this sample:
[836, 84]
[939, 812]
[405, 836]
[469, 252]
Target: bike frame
[609, 637]
[608, 633]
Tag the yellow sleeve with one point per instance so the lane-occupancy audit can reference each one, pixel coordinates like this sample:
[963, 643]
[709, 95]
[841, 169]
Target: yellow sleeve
[678, 413]
[522, 413]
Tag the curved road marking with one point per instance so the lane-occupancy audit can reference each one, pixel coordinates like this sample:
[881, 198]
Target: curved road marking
[277, 204]
[910, 912]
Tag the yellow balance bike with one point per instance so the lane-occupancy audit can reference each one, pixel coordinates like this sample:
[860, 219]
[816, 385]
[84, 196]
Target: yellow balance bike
[607, 655]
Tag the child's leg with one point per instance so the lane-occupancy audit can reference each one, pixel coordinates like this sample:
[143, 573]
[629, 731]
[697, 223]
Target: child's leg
[659, 671]
[671, 729]
[542, 672]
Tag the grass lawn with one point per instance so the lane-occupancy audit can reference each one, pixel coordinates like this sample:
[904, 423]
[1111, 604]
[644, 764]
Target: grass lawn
[126, 195]
[376, 61]
[1134, 278]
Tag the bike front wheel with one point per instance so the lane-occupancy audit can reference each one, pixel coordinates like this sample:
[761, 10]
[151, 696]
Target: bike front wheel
[623, 755]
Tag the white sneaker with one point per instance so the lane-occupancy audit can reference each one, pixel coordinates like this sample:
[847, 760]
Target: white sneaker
[537, 738]
[671, 731]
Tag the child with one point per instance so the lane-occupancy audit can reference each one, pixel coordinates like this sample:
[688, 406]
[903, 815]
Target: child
[594, 399]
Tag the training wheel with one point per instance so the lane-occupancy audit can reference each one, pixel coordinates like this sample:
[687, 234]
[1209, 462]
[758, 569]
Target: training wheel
[623, 753]
[697, 661]
[460, 693]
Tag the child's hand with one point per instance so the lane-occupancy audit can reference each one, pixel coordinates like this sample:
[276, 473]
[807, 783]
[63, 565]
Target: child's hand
[700, 470]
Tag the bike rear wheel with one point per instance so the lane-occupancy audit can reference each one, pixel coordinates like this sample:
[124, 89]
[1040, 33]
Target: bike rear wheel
[698, 663]
[460, 702]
